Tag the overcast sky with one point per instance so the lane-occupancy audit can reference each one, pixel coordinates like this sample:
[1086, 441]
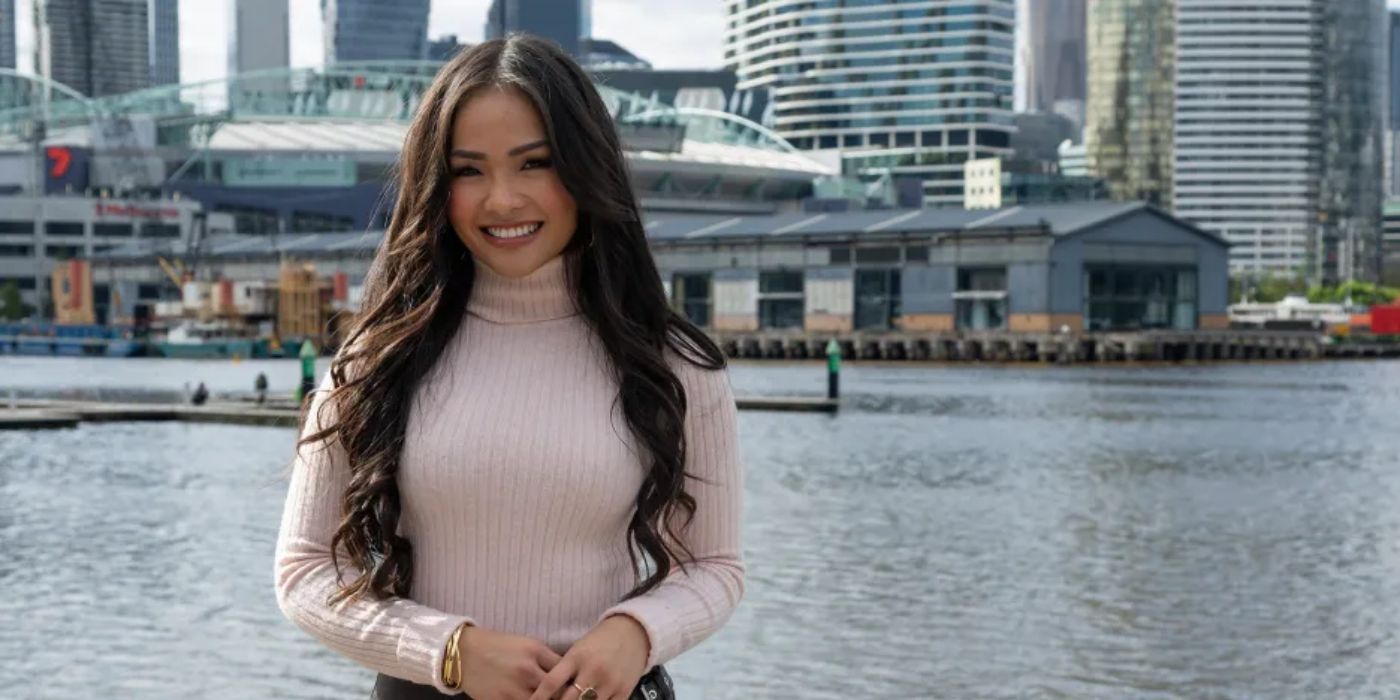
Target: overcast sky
[669, 33]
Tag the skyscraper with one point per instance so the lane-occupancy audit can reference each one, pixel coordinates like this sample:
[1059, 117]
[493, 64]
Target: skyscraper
[1392, 131]
[373, 30]
[907, 89]
[1347, 243]
[7, 34]
[164, 33]
[259, 39]
[1053, 50]
[560, 21]
[1128, 119]
[97, 47]
[1279, 131]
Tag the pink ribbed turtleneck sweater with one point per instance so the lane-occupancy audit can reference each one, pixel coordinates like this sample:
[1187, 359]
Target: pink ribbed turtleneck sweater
[517, 481]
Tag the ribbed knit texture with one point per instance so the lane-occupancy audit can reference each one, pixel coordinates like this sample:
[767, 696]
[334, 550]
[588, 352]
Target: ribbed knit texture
[518, 479]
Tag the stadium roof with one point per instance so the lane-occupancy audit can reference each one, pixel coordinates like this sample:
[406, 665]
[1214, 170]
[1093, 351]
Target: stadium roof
[1049, 219]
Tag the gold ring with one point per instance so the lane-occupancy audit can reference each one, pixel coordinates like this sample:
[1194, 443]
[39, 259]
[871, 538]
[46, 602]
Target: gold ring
[585, 693]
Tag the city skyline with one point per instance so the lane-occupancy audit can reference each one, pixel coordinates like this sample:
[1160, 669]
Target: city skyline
[691, 36]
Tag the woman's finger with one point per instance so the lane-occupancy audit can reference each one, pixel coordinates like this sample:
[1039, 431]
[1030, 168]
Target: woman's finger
[547, 658]
[554, 681]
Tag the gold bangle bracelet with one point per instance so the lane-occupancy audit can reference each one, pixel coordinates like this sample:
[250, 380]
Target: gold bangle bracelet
[452, 660]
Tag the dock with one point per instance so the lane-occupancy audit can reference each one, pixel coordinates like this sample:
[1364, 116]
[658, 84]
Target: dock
[1225, 345]
[33, 414]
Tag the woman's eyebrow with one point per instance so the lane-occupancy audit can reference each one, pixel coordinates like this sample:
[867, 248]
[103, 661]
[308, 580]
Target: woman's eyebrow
[478, 155]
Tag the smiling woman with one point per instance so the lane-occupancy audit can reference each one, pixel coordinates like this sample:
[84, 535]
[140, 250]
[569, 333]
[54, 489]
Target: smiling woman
[521, 476]
[507, 203]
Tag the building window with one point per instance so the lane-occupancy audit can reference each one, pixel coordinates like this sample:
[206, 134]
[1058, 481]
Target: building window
[63, 252]
[317, 222]
[154, 230]
[24, 283]
[21, 227]
[781, 303]
[1139, 297]
[63, 228]
[980, 301]
[877, 299]
[104, 229]
[691, 292]
[16, 251]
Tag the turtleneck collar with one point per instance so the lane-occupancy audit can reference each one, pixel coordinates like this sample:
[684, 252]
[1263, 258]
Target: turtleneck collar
[542, 295]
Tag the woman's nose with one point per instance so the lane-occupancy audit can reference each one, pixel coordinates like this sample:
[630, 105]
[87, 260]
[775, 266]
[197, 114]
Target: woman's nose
[503, 197]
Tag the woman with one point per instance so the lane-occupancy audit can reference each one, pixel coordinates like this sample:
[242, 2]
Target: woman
[520, 478]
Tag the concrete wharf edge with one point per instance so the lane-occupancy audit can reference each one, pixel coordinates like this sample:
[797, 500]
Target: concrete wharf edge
[32, 414]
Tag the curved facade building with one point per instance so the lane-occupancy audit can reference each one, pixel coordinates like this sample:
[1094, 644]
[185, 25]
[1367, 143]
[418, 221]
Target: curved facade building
[909, 88]
[1278, 131]
[1128, 125]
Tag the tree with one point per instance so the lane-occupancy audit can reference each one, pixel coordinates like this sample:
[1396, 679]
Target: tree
[1360, 293]
[12, 307]
[1268, 289]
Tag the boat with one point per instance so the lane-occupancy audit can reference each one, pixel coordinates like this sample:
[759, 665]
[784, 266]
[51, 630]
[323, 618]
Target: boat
[71, 340]
[212, 340]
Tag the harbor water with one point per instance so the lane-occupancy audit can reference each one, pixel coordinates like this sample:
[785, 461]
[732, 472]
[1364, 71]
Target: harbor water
[1226, 531]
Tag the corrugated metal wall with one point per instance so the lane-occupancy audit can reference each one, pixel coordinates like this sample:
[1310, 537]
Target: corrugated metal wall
[830, 291]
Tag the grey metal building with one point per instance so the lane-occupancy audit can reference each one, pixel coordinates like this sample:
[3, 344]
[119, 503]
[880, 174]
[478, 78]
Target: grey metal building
[560, 21]
[1034, 269]
[1086, 267]
[373, 30]
[97, 48]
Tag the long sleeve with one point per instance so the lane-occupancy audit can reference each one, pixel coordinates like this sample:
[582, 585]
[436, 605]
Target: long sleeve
[396, 636]
[691, 605]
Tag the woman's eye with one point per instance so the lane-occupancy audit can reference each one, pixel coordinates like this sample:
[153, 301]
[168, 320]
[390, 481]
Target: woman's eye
[467, 170]
[537, 163]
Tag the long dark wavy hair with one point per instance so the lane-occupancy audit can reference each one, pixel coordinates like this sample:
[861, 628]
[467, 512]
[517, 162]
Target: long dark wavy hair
[419, 284]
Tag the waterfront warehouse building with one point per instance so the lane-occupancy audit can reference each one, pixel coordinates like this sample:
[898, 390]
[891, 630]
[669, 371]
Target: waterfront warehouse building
[1084, 267]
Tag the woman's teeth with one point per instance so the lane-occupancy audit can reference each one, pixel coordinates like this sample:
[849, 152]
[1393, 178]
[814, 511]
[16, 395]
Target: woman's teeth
[513, 232]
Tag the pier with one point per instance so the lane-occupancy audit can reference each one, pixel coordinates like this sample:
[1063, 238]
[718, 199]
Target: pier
[34, 414]
[1066, 348]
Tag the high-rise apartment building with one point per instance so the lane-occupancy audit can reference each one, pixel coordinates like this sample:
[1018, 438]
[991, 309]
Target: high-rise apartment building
[1279, 126]
[911, 89]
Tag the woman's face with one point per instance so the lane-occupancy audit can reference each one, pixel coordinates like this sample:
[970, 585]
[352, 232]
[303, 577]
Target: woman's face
[505, 200]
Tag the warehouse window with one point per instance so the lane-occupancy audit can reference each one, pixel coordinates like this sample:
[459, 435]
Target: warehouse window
[1135, 297]
[691, 292]
[877, 299]
[10, 226]
[780, 299]
[980, 301]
